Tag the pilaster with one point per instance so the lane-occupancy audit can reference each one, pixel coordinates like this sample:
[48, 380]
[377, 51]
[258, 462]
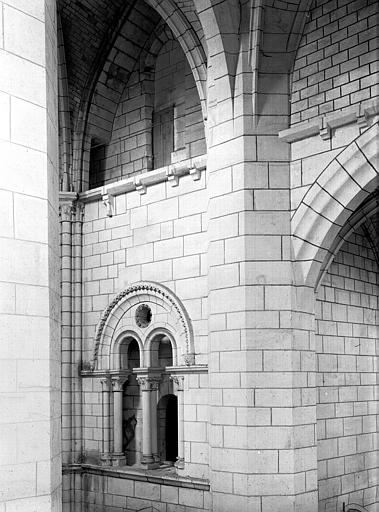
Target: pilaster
[261, 353]
[31, 464]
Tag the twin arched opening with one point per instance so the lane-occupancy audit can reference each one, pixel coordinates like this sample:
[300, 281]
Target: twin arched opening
[141, 339]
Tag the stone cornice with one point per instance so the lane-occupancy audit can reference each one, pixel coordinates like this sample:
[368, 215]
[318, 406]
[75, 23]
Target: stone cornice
[324, 125]
[68, 197]
[170, 173]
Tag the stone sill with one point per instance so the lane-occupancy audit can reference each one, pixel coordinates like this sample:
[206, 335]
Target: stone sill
[170, 173]
[324, 125]
[156, 476]
[169, 370]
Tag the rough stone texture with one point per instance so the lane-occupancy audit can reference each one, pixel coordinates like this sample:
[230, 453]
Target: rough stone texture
[337, 61]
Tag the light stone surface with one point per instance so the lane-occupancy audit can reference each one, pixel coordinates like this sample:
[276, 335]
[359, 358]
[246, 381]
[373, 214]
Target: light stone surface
[255, 246]
[30, 463]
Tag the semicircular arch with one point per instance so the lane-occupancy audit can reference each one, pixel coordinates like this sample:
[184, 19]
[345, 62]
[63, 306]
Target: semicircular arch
[118, 318]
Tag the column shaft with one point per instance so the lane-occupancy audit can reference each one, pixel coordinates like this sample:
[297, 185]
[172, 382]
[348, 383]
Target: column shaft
[117, 421]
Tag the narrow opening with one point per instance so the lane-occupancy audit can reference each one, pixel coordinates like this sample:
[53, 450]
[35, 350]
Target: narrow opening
[129, 354]
[132, 407]
[168, 429]
[97, 164]
[161, 352]
[163, 137]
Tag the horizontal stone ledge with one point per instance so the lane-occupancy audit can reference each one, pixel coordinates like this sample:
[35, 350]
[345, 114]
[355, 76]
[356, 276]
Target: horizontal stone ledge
[324, 125]
[170, 173]
[156, 476]
[169, 370]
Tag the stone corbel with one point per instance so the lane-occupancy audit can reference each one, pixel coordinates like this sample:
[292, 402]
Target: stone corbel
[195, 173]
[362, 117]
[108, 200]
[172, 178]
[325, 130]
[140, 187]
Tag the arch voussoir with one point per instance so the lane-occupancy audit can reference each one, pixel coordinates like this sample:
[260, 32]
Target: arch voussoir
[329, 203]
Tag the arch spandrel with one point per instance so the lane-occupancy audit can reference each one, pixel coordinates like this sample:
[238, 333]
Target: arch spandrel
[115, 320]
[340, 188]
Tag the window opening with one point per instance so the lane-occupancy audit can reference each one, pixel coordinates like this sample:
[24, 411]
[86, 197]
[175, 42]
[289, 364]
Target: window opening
[168, 429]
[163, 137]
[143, 315]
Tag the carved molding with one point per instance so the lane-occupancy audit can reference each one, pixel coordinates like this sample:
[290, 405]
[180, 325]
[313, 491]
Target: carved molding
[171, 173]
[324, 125]
[178, 380]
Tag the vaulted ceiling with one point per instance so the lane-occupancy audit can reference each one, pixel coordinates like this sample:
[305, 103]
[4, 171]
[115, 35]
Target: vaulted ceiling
[90, 29]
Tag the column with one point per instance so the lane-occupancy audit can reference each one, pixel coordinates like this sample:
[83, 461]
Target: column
[154, 419]
[148, 386]
[106, 455]
[179, 391]
[30, 358]
[118, 457]
[65, 211]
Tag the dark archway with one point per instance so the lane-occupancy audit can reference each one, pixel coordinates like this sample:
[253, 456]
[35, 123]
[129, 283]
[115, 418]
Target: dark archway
[132, 411]
[168, 429]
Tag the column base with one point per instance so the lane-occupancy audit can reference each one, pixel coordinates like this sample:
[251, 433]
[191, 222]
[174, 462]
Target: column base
[179, 463]
[106, 459]
[149, 462]
[118, 459]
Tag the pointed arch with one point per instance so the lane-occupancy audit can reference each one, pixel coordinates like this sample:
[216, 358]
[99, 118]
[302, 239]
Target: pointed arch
[113, 64]
[350, 178]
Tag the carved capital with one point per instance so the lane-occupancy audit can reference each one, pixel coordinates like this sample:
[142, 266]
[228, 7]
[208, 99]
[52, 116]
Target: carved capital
[66, 212]
[178, 381]
[118, 382]
[105, 384]
[78, 212]
[148, 383]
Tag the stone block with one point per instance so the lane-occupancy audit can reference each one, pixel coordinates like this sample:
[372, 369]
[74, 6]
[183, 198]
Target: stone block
[147, 490]
[163, 211]
[191, 498]
[26, 210]
[24, 35]
[22, 78]
[28, 124]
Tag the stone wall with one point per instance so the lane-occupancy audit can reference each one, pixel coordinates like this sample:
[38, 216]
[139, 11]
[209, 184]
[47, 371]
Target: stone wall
[337, 60]
[119, 492]
[168, 83]
[346, 343]
[30, 450]
[159, 236]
